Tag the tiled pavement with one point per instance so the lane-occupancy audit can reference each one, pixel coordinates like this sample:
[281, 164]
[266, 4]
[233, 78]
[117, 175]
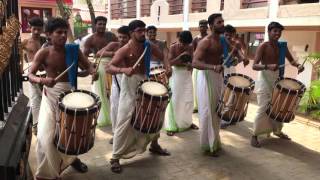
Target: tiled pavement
[277, 159]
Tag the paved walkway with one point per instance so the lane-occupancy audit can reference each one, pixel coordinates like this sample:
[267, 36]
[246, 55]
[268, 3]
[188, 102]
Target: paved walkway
[277, 159]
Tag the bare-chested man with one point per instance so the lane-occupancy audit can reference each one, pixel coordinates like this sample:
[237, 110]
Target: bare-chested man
[109, 51]
[152, 36]
[102, 87]
[179, 112]
[267, 62]
[203, 28]
[127, 141]
[30, 47]
[53, 59]
[207, 58]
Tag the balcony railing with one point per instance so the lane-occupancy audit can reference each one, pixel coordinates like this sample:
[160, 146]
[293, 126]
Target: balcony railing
[288, 2]
[221, 5]
[199, 6]
[175, 6]
[145, 7]
[123, 9]
[253, 3]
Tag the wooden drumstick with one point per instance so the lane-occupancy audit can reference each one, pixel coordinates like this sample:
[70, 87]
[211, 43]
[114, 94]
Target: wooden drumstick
[63, 73]
[140, 58]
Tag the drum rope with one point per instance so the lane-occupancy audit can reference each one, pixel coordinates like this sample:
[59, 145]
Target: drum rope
[139, 109]
[71, 134]
[153, 117]
[147, 113]
[160, 114]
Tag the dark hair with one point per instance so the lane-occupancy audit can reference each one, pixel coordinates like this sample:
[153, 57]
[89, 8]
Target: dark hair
[36, 21]
[185, 37]
[55, 23]
[275, 25]
[151, 28]
[124, 30]
[135, 24]
[212, 17]
[100, 18]
[230, 29]
[203, 22]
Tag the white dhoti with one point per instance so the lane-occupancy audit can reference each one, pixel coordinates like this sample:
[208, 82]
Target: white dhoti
[264, 87]
[114, 99]
[209, 87]
[102, 88]
[127, 142]
[179, 111]
[194, 85]
[35, 101]
[50, 161]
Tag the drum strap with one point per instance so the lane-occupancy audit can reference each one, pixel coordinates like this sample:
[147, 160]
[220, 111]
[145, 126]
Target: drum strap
[72, 51]
[117, 82]
[282, 55]
[227, 60]
[147, 57]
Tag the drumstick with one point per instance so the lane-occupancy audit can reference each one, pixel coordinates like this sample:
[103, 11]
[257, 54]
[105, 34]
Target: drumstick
[140, 58]
[64, 72]
[99, 60]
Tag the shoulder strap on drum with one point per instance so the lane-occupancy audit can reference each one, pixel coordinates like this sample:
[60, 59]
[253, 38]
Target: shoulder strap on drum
[72, 51]
[282, 55]
[227, 61]
[147, 57]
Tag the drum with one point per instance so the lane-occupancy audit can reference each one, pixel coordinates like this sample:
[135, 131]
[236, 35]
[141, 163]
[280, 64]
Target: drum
[285, 98]
[233, 104]
[153, 98]
[75, 130]
[158, 73]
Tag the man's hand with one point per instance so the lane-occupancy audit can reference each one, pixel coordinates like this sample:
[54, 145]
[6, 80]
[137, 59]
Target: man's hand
[218, 68]
[48, 81]
[95, 76]
[272, 67]
[127, 71]
[300, 68]
[168, 71]
[246, 62]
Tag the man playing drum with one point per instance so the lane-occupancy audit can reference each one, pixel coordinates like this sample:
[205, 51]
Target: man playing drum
[203, 28]
[179, 111]
[50, 161]
[162, 45]
[267, 63]
[30, 47]
[127, 142]
[93, 44]
[109, 51]
[207, 58]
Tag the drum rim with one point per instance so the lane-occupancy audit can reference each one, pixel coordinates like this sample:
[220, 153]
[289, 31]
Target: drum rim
[300, 91]
[157, 67]
[80, 111]
[239, 89]
[156, 98]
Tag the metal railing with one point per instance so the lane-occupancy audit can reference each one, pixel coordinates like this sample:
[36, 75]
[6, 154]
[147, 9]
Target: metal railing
[123, 9]
[253, 3]
[175, 6]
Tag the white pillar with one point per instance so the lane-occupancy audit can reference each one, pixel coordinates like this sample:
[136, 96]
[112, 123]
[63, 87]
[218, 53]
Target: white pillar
[138, 10]
[185, 15]
[109, 14]
[273, 7]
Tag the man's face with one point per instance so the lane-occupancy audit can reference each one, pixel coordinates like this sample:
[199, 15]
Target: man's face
[36, 31]
[59, 36]
[229, 36]
[203, 28]
[275, 34]
[152, 34]
[123, 39]
[139, 34]
[218, 25]
[101, 26]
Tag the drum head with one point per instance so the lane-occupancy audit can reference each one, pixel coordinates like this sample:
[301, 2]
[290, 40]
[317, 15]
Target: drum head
[156, 71]
[154, 88]
[289, 84]
[78, 100]
[239, 81]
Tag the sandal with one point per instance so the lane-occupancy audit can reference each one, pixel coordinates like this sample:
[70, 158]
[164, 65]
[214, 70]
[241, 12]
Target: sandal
[282, 136]
[170, 133]
[254, 142]
[79, 166]
[159, 151]
[193, 126]
[115, 166]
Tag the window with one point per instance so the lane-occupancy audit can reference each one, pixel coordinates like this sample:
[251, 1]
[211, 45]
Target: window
[29, 12]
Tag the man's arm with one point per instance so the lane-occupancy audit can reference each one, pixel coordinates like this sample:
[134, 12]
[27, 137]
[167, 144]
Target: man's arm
[155, 50]
[198, 56]
[293, 62]
[114, 66]
[176, 59]
[87, 46]
[257, 59]
[108, 50]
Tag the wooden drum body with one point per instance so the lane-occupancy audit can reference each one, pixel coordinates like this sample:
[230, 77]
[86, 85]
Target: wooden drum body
[285, 98]
[158, 73]
[153, 98]
[75, 130]
[233, 103]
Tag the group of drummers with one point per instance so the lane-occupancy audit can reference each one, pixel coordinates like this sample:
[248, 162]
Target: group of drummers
[142, 87]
